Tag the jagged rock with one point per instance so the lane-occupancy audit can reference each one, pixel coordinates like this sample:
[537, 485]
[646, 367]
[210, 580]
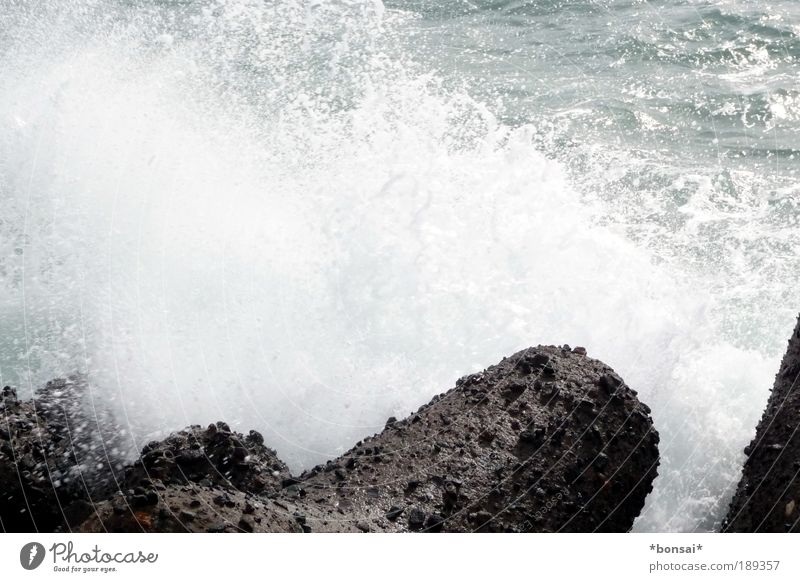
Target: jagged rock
[546, 440]
[58, 452]
[767, 495]
[219, 473]
[584, 461]
[214, 455]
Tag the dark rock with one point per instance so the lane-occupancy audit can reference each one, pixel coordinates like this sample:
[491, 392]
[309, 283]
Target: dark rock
[167, 516]
[481, 478]
[394, 512]
[610, 382]
[769, 490]
[190, 457]
[9, 395]
[212, 458]
[416, 518]
[434, 523]
[44, 471]
[495, 460]
[528, 436]
[255, 437]
[601, 461]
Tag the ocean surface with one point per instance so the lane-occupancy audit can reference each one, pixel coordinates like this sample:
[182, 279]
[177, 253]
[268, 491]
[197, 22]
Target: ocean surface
[306, 216]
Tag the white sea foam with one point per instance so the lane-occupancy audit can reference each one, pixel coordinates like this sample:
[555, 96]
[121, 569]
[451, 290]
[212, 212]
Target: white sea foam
[269, 219]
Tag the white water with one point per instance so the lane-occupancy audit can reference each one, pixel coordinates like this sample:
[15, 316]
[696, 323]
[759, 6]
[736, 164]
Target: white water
[249, 213]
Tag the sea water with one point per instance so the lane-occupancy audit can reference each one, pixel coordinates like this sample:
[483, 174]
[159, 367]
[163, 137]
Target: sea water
[306, 216]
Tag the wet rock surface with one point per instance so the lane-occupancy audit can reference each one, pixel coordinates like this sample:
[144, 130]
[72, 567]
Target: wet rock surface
[58, 453]
[214, 456]
[547, 440]
[191, 508]
[200, 479]
[767, 498]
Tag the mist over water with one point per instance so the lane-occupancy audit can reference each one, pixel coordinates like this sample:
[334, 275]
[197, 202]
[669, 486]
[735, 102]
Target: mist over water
[305, 217]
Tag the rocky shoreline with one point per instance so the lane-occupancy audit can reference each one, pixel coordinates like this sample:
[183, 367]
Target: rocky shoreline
[767, 498]
[546, 440]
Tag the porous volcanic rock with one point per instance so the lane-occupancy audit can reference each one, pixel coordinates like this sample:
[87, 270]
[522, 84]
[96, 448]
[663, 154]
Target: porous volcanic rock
[547, 440]
[191, 508]
[767, 498]
[200, 479]
[58, 453]
[216, 455]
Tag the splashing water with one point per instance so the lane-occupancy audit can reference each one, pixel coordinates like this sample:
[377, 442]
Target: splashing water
[274, 214]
